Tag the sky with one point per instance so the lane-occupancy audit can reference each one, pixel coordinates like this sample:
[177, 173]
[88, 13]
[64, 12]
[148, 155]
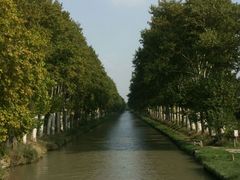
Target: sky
[112, 28]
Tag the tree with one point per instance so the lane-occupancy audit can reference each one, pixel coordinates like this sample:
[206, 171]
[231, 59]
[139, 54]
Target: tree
[22, 71]
[190, 50]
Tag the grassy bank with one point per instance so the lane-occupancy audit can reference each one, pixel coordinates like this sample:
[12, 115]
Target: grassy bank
[20, 154]
[216, 160]
[28, 153]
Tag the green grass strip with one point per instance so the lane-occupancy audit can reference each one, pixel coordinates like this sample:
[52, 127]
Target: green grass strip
[215, 160]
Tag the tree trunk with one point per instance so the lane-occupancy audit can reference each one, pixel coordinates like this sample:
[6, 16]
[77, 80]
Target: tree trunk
[202, 122]
[45, 124]
[65, 120]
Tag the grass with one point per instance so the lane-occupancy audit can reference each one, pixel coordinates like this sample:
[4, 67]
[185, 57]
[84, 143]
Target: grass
[220, 162]
[215, 160]
[25, 154]
[19, 155]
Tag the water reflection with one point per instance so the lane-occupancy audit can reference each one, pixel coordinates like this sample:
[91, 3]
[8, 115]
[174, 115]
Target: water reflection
[121, 149]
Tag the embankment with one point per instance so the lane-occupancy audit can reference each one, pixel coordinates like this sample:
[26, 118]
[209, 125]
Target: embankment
[217, 160]
[22, 154]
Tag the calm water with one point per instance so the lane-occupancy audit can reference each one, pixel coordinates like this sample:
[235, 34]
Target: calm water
[122, 149]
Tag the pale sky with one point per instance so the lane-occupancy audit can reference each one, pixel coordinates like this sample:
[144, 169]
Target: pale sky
[112, 28]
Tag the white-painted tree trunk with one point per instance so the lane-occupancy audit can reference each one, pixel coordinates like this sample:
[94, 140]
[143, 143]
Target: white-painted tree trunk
[34, 135]
[188, 124]
[25, 139]
[164, 114]
[213, 133]
[50, 119]
[180, 115]
[41, 131]
[61, 121]
[69, 120]
[98, 112]
[175, 114]
[177, 117]
[160, 113]
[222, 130]
[199, 127]
[207, 130]
[53, 123]
[193, 125]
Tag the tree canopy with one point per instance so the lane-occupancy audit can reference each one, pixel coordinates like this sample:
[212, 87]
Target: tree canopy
[47, 66]
[190, 58]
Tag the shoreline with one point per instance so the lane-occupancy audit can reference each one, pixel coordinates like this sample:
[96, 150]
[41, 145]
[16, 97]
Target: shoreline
[215, 160]
[32, 152]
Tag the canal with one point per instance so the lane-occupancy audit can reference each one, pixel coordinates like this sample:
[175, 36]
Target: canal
[124, 148]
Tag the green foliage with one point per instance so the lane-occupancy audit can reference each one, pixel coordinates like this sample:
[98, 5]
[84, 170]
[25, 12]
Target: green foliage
[73, 66]
[190, 58]
[22, 71]
[47, 66]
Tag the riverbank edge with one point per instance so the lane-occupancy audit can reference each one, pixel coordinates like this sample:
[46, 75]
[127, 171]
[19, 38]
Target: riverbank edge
[32, 152]
[198, 153]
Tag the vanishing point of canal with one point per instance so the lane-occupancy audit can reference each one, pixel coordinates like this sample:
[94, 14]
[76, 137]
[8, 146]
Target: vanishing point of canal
[124, 148]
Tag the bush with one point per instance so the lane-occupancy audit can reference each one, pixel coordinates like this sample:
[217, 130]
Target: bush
[23, 154]
[29, 153]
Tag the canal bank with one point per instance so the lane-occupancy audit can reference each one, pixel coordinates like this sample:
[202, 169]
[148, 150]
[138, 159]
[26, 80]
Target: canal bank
[121, 148]
[23, 154]
[216, 160]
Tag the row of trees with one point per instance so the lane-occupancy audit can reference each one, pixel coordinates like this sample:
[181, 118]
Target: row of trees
[47, 69]
[189, 60]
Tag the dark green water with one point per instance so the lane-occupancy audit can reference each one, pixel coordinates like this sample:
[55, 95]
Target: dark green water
[122, 149]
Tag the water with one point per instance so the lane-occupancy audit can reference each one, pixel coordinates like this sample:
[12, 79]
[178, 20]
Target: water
[124, 148]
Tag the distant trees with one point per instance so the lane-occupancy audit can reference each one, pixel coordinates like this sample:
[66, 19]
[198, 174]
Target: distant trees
[48, 71]
[189, 61]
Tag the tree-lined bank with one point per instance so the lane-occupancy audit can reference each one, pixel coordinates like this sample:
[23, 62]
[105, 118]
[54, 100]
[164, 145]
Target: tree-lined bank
[123, 148]
[186, 70]
[51, 80]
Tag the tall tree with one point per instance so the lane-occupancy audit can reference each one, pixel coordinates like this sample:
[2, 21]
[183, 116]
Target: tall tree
[22, 71]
